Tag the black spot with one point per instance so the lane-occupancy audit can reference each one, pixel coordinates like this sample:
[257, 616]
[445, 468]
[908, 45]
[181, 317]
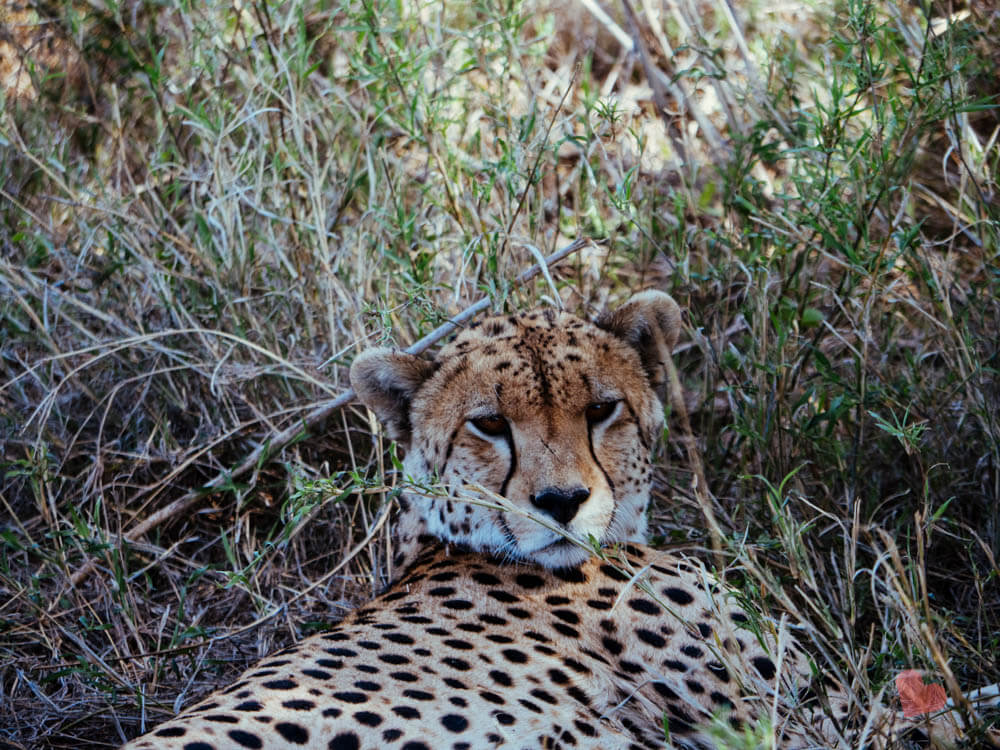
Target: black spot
[489, 697]
[529, 581]
[677, 666]
[765, 666]
[345, 741]
[400, 638]
[515, 656]
[317, 674]
[406, 712]
[679, 596]
[403, 677]
[454, 722]
[543, 696]
[391, 735]
[292, 732]
[576, 666]
[693, 651]
[502, 596]
[415, 619]
[171, 732]
[245, 739]
[694, 686]
[460, 664]
[442, 591]
[665, 691]
[717, 669]
[613, 646]
[198, 746]
[644, 606]
[558, 676]
[222, 719]
[705, 629]
[501, 678]
[419, 695]
[350, 697]
[566, 630]
[486, 579]
[299, 705]
[613, 573]
[458, 645]
[567, 615]
[415, 746]
[533, 707]
[722, 700]
[504, 718]
[394, 658]
[598, 604]
[368, 718]
[585, 728]
[653, 639]
[339, 651]
[280, 685]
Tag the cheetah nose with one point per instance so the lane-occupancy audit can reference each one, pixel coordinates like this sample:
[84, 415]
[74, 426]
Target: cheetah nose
[560, 504]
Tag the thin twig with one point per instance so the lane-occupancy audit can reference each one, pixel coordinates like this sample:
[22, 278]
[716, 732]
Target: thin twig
[312, 421]
[659, 92]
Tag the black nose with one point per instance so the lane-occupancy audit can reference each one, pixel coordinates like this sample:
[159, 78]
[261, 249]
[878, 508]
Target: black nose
[561, 504]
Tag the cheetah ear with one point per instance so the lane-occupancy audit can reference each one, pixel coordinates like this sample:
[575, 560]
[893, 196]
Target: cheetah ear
[385, 381]
[650, 322]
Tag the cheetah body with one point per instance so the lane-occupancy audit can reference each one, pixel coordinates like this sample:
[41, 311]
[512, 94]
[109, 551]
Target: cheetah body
[465, 652]
[514, 634]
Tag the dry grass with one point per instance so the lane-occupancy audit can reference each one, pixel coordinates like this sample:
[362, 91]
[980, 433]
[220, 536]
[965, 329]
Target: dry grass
[206, 211]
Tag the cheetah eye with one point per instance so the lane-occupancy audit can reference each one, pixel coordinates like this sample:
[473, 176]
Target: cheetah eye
[493, 425]
[597, 413]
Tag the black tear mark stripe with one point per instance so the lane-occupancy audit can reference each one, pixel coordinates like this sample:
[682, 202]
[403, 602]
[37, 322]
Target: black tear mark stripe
[593, 455]
[509, 438]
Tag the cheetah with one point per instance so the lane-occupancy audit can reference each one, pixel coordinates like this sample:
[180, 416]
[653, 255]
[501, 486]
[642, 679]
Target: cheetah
[526, 612]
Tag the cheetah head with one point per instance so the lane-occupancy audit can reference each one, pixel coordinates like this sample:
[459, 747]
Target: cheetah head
[556, 414]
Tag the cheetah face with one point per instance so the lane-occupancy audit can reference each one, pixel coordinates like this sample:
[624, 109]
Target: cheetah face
[553, 413]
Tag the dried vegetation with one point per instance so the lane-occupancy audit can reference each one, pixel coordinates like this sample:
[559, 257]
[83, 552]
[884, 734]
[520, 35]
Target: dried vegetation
[206, 209]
